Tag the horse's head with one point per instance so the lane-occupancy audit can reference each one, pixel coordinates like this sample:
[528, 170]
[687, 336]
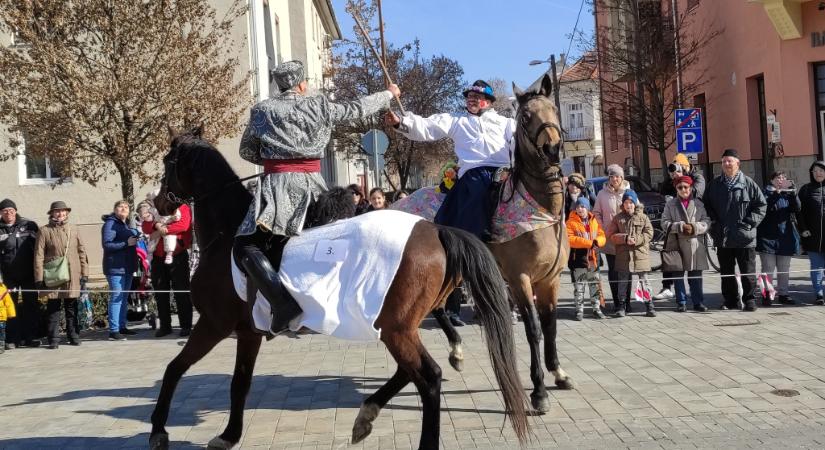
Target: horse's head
[178, 183]
[538, 134]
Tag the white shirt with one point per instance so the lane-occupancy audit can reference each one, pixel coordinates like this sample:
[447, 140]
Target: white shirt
[484, 140]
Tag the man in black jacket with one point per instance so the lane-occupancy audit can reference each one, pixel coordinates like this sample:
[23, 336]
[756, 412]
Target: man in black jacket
[736, 205]
[17, 238]
[811, 224]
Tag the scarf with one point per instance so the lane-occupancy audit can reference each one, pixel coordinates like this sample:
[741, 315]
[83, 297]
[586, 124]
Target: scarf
[731, 182]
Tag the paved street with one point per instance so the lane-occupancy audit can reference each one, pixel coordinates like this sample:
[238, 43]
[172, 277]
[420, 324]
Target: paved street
[676, 381]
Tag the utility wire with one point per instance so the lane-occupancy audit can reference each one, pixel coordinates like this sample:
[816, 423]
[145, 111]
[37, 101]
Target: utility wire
[572, 36]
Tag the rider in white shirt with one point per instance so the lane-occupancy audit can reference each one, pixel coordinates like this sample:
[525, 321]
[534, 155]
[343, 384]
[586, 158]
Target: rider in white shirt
[483, 143]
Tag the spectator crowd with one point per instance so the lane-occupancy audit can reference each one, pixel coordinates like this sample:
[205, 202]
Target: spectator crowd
[50, 263]
[743, 220]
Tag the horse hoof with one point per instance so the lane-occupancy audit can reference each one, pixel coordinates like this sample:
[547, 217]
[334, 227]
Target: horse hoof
[566, 384]
[458, 364]
[159, 441]
[363, 423]
[361, 430]
[218, 443]
[540, 404]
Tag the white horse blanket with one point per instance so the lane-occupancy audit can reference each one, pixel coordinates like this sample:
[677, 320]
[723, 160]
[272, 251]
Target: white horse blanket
[339, 274]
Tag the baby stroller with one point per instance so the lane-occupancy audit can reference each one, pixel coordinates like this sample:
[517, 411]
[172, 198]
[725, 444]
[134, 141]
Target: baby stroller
[141, 301]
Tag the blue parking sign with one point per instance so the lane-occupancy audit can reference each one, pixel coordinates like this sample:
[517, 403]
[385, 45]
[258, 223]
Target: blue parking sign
[689, 130]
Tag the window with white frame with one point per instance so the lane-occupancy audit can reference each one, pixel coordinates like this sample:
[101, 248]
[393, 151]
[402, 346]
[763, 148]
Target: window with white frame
[576, 115]
[37, 169]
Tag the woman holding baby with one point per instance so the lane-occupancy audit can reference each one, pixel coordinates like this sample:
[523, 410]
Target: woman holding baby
[119, 265]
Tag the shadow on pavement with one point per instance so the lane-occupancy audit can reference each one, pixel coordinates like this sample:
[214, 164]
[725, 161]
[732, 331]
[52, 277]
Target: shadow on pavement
[85, 442]
[197, 395]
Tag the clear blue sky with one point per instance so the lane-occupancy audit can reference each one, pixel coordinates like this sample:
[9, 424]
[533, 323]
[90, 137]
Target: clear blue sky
[489, 38]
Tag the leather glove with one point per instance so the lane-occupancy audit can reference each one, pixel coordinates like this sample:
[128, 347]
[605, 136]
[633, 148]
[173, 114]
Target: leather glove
[806, 233]
[688, 229]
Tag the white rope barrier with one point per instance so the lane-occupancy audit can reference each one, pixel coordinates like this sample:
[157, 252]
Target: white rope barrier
[566, 283]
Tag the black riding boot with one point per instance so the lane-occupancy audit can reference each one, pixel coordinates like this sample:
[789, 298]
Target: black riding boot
[259, 271]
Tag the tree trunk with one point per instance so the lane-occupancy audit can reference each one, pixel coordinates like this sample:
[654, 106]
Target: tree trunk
[127, 186]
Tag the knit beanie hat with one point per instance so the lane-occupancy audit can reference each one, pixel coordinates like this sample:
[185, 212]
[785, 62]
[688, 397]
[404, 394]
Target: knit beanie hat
[730, 152]
[583, 201]
[615, 170]
[682, 160]
[630, 194]
[6, 203]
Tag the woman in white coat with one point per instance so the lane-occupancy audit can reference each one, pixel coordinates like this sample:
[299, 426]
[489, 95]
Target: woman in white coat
[686, 220]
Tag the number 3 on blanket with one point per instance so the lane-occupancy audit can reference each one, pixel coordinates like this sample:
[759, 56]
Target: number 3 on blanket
[331, 251]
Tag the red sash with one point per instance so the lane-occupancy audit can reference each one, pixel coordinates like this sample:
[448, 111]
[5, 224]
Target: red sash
[292, 165]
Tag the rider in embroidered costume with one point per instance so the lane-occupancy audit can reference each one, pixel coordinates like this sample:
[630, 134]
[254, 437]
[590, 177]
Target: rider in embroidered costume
[483, 142]
[287, 134]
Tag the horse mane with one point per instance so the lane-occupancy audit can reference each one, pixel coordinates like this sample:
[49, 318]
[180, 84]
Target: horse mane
[335, 204]
[210, 168]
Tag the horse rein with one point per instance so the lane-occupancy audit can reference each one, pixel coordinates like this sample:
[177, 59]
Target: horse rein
[174, 198]
[522, 131]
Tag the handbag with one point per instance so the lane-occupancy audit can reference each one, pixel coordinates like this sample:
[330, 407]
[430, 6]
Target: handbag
[56, 271]
[671, 257]
[85, 313]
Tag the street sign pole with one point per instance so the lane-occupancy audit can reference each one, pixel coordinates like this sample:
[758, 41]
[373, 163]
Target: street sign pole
[375, 155]
[689, 131]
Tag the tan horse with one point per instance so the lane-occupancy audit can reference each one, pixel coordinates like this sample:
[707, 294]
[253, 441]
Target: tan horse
[532, 263]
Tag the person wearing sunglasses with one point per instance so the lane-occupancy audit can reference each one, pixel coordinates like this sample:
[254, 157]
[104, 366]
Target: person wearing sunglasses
[679, 167]
[686, 220]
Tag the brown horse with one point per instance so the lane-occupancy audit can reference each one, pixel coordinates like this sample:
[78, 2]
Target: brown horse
[434, 260]
[532, 263]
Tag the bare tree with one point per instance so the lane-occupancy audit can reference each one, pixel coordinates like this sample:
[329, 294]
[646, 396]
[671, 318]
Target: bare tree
[504, 102]
[428, 85]
[643, 50]
[92, 85]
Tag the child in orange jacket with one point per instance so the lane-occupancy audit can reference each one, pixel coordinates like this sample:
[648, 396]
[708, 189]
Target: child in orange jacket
[585, 238]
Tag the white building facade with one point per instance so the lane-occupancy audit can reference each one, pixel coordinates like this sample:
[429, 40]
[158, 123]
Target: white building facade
[581, 117]
[273, 31]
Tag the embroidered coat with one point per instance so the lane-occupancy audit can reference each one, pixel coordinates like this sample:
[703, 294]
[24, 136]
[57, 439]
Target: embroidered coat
[294, 126]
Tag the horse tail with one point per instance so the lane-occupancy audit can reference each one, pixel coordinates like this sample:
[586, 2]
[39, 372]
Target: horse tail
[470, 260]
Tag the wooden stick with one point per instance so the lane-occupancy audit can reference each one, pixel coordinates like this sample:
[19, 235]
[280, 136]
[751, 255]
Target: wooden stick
[378, 57]
[381, 38]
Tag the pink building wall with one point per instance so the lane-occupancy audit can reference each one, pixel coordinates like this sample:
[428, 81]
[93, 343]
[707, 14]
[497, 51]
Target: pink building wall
[750, 46]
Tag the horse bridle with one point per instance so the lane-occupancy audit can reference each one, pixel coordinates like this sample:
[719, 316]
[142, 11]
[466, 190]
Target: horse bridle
[176, 199]
[171, 196]
[521, 129]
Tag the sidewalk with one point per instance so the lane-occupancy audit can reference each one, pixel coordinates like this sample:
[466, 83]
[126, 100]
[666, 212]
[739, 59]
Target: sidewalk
[680, 380]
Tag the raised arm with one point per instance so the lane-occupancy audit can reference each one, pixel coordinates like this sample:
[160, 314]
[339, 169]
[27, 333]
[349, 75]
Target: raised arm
[423, 129]
[358, 109]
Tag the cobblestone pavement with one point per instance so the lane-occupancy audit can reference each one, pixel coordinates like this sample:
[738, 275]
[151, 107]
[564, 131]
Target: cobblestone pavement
[686, 380]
